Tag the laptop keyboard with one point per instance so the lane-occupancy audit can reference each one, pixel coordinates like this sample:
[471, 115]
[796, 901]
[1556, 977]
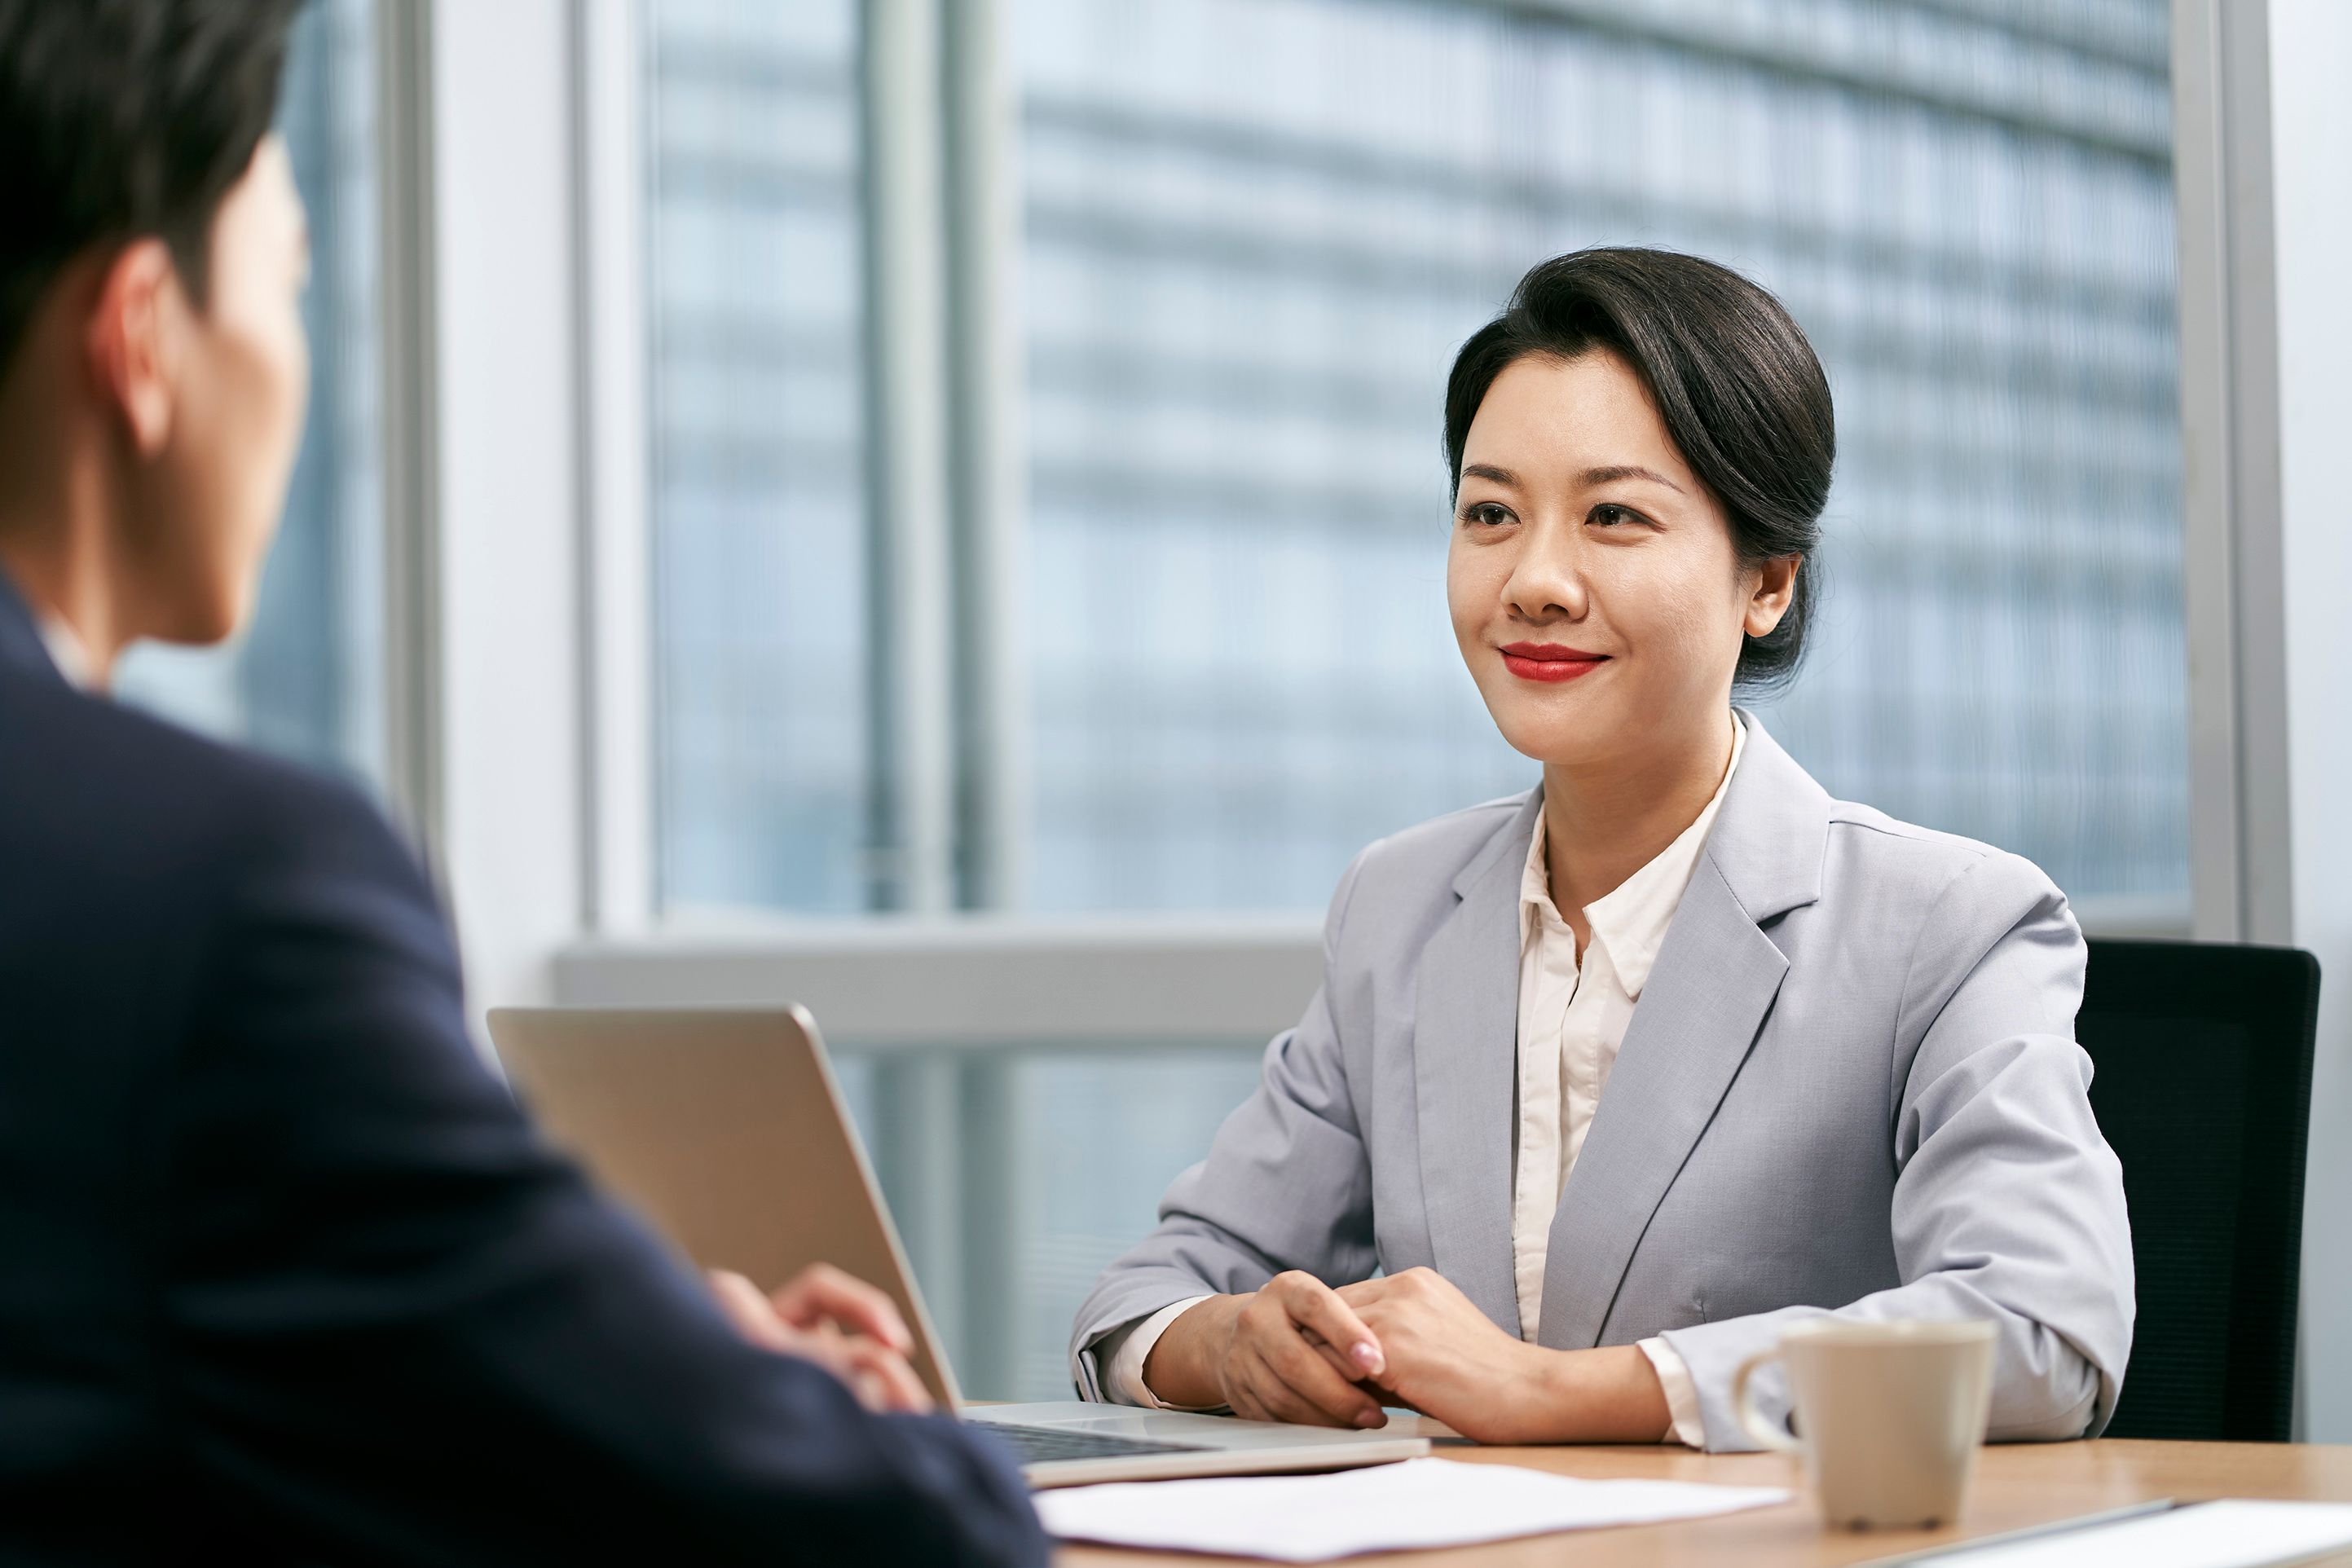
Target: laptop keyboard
[1045, 1445]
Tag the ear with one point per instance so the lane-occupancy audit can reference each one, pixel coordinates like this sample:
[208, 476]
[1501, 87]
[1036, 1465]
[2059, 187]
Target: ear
[1776, 588]
[131, 345]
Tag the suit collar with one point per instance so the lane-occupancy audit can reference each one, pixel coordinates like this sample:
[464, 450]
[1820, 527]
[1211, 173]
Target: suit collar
[22, 651]
[1506, 852]
[1766, 843]
[1770, 839]
[1628, 922]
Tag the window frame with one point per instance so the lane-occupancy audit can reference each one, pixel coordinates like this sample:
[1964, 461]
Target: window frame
[947, 476]
[519, 638]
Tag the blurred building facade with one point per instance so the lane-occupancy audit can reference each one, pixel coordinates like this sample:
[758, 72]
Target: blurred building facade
[1252, 236]
[1248, 236]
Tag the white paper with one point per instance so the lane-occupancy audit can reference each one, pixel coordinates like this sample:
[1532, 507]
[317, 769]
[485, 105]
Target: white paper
[2230, 1534]
[1380, 1508]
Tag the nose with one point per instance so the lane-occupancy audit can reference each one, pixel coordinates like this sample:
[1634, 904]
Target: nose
[1547, 579]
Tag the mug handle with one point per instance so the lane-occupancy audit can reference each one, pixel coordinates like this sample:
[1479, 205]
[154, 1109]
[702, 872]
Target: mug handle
[1752, 1420]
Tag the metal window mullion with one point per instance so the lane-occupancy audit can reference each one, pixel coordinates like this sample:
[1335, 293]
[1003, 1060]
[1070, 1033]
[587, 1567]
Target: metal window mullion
[911, 807]
[2230, 473]
[908, 597]
[919, 1157]
[982, 129]
[614, 405]
[996, 1228]
[411, 657]
[982, 125]
[2256, 523]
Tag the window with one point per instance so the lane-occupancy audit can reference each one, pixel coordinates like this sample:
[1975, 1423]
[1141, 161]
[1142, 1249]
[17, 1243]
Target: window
[1047, 1166]
[1255, 234]
[1250, 235]
[307, 678]
[760, 706]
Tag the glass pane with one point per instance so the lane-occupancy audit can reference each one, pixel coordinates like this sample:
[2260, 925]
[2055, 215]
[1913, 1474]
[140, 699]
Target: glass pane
[1257, 229]
[1061, 1156]
[307, 678]
[760, 537]
[1086, 1185]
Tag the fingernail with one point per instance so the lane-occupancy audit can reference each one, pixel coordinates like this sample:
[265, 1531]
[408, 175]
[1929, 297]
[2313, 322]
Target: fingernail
[1371, 1418]
[1367, 1355]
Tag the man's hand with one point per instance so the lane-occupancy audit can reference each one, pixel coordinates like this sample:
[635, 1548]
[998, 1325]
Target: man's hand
[1445, 1358]
[843, 1324]
[1290, 1351]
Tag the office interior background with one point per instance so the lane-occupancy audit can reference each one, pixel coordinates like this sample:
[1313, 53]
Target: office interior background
[934, 508]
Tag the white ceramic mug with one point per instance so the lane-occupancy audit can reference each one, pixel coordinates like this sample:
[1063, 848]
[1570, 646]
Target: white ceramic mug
[1889, 1414]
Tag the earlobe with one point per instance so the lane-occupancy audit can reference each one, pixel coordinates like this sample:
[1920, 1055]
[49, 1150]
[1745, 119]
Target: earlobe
[130, 343]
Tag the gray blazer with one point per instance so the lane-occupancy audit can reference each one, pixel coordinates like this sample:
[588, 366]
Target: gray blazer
[1850, 1089]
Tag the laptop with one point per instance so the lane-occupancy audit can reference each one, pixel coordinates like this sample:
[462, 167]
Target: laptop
[728, 1131]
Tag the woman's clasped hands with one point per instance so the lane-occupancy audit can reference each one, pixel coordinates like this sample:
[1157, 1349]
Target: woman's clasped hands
[1298, 1350]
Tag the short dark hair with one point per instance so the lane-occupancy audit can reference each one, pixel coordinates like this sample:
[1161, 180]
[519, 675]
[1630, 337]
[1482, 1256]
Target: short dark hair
[1738, 387]
[124, 118]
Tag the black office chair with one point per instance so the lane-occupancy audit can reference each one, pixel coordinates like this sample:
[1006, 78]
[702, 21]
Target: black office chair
[2202, 1053]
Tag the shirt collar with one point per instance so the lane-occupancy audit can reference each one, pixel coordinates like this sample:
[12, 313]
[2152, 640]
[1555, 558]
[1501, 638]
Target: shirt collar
[1630, 920]
[66, 651]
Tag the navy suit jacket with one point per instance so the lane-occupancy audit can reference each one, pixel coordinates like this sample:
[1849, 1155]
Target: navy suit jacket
[285, 1276]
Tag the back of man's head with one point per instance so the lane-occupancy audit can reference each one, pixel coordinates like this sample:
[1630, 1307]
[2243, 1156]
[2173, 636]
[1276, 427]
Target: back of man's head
[153, 363]
[124, 118]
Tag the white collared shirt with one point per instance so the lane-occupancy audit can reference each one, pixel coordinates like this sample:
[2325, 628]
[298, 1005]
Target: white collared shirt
[1572, 1020]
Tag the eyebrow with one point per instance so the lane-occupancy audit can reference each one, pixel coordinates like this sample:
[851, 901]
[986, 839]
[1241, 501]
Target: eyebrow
[1628, 471]
[1600, 476]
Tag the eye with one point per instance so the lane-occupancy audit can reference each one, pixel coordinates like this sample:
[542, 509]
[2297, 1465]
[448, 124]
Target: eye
[1609, 514]
[1487, 514]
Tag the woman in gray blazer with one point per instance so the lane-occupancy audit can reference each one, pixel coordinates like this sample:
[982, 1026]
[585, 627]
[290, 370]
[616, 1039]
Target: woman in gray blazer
[1610, 1083]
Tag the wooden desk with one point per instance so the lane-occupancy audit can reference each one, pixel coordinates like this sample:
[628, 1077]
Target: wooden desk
[2017, 1485]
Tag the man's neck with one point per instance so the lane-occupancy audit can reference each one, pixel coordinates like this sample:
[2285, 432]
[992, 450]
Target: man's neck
[57, 548]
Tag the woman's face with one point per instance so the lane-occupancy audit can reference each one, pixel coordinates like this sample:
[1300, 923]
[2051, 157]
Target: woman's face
[1594, 589]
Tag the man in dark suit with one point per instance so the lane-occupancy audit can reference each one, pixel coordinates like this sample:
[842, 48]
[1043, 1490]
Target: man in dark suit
[283, 1273]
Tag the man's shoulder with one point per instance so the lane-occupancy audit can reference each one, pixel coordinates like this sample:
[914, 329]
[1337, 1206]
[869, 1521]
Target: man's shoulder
[99, 786]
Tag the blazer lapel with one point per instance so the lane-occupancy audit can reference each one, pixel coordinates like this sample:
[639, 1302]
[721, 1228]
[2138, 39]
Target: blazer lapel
[1708, 991]
[1707, 997]
[1464, 1043]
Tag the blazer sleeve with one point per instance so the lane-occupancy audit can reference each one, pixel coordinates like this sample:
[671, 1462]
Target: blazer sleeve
[1288, 1185]
[2008, 1204]
[403, 1330]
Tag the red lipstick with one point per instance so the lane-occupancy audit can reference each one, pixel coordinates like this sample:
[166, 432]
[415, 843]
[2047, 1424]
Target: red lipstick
[1549, 661]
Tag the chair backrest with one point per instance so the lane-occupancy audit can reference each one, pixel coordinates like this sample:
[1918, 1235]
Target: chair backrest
[2203, 1059]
